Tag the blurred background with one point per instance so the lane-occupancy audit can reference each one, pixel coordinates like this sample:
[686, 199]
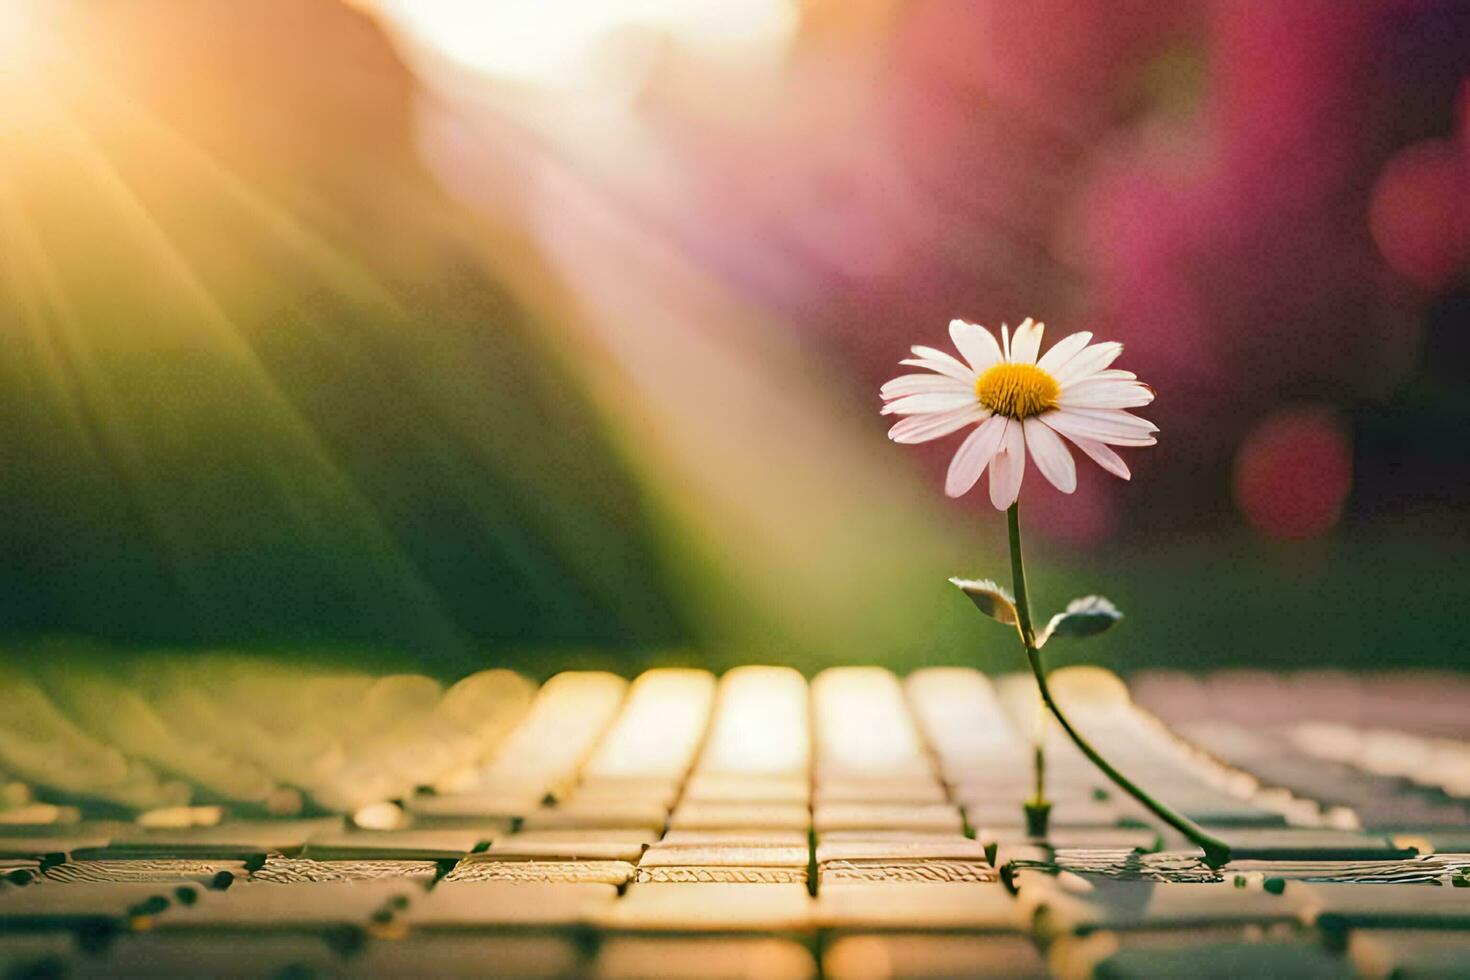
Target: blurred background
[448, 334]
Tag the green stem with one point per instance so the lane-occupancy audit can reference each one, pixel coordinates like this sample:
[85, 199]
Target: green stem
[1217, 852]
[1028, 638]
[1038, 763]
[1038, 809]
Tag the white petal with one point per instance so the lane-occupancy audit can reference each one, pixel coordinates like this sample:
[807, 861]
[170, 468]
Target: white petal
[922, 384]
[976, 343]
[941, 362]
[1008, 467]
[941, 402]
[1088, 361]
[1005, 341]
[1116, 416]
[1050, 453]
[1026, 344]
[1104, 457]
[974, 455]
[1105, 393]
[951, 368]
[1061, 352]
[1077, 424]
[934, 425]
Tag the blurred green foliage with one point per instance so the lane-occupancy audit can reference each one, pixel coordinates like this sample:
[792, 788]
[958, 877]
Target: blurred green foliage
[1377, 601]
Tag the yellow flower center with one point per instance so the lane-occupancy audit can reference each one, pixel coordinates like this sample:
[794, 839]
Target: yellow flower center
[1017, 390]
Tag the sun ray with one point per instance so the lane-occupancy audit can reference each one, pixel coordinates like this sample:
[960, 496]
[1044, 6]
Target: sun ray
[91, 402]
[453, 393]
[188, 285]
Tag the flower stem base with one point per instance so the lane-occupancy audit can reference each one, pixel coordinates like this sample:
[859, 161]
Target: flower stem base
[1038, 817]
[1217, 853]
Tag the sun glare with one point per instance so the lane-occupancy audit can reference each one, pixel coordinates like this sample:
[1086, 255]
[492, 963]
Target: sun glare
[584, 44]
[17, 31]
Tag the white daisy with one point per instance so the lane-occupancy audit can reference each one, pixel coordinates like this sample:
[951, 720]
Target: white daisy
[1018, 402]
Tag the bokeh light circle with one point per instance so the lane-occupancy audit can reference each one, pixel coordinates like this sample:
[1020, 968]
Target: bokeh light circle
[1420, 213]
[1293, 473]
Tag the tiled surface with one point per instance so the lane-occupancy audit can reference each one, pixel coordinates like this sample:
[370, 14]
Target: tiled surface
[683, 825]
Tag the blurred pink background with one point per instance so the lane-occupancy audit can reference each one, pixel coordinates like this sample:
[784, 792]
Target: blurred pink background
[717, 225]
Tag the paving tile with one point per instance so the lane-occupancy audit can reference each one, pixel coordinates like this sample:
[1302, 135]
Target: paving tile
[676, 958]
[180, 817]
[1101, 838]
[1311, 844]
[952, 847]
[1069, 903]
[35, 818]
[105, 904]
[1429, 702]
[1409, 954]
[242, 840]
[983, 906]
[871, 835]
[757, 863]
[962, 719]
[573, 845]
[295, 871]
[599, 814]
[481, 867]
[1336, 907]
[1223, 811]
[749, 837]
[659, 729]
[931, 957]
[761, 727]
[940, 817]
[1013, 787]
[208, 955]
[723, 874]
[741, 816]
[957, 859]
[1172, 695]
[657, 792]
[862, 727]
[394, 845]
[1424, 869]
[1066, 814]
[709, 907]
[1166, 958]
[490, 810]
[308, 906]
[716, 788]
[52, 848]
[210, 874]
[905, 870]
[543, 754]
[1010, 763]
[1410, 810]
[725, 855]
[920, 790]
[494, 904]
[466, 954]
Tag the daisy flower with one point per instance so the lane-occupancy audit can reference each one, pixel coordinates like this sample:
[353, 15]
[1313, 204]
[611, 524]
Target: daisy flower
[1016, 401]
[1019, 403]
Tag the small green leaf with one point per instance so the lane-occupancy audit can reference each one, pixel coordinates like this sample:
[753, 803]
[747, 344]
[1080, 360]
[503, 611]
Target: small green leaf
[1087, 616]
[989, 598]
